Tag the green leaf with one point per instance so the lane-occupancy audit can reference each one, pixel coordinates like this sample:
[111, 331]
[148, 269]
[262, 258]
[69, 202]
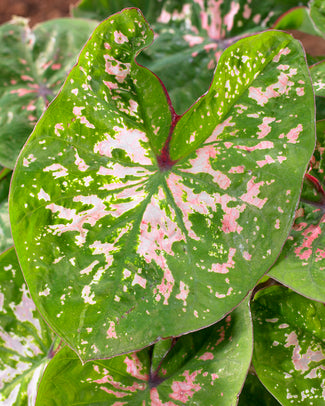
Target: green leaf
[289, 351]
[126, 233]
[301, 265]
[203, 368]
[254, 393]
[317, 14]
[33, 64]
[25, 340]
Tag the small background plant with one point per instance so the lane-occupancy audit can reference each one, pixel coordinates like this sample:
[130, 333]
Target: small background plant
[168, 246]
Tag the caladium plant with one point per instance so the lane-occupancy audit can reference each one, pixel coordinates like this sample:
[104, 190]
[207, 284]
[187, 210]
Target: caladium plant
[139, 214]
[136, 226]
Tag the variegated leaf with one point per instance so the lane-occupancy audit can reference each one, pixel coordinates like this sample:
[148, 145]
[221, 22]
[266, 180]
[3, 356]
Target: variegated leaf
[203, 368]
[134, 216]
[33, 64]
[289, 350]
[191, 35]
[301, 265]
[26, 343]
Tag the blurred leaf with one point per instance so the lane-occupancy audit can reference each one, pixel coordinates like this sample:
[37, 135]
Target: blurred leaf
[296, 19]
[33, 65]
[289, 351]
[26, 343]
[317, 13]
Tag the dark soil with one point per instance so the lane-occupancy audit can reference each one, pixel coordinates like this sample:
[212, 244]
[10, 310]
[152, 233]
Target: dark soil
[42, 10]
[36, 10]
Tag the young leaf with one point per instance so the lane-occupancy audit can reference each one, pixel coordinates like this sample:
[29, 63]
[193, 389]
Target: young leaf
[134, 216]
[33, 64]
[301, 264]
[214, 363]
[25, 339]
[289, 352]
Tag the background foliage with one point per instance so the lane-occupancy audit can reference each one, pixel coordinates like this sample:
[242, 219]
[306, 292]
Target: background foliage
[70, 261]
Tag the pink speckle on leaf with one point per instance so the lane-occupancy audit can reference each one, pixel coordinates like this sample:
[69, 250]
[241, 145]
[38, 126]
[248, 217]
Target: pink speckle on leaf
[310, 235]
[183, 292]
[253, 190]
[134, 367]
[247, 256]
[284, 51]
[237, 169]
[110, 333]
[128, 139]
[207, 356]
[293, 134]
[120, 38]
[116, 68]
[224, 267]
[184, 390]
[265, 129]
[268, 160]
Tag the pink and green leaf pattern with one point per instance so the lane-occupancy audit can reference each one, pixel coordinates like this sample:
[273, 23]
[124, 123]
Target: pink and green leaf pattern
[26, 342]
[301, 265]
[133, 216]
[190, 36]
[196, 369]
[33, 65]
[289, 351]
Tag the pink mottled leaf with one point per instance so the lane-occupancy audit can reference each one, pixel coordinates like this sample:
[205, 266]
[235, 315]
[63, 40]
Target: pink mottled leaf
[289, 351]
[301, 265]
[191, 35]
[135, 216]
[33, 64]
[196, 369]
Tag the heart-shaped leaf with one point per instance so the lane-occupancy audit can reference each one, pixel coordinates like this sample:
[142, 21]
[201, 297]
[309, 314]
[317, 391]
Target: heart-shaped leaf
[203, 368]
[33, 64]
[26, 343]
[301, 265]
[190, 36]
[134, 216]
[289, 351]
